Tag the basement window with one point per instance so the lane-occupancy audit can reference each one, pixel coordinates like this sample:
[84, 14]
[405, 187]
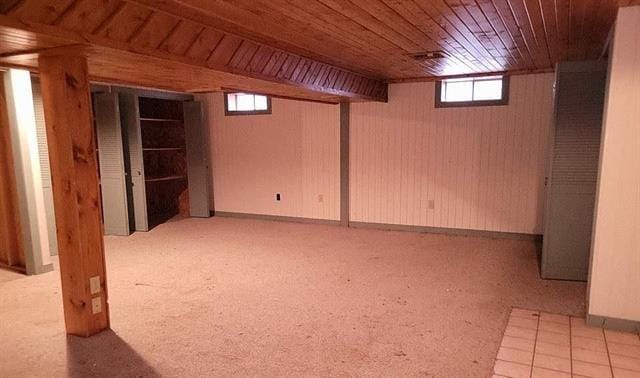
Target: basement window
[479, 91]
[246, 104]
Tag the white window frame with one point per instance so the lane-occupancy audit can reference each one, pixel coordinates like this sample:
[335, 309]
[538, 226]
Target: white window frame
[441, 86]
[245, 112]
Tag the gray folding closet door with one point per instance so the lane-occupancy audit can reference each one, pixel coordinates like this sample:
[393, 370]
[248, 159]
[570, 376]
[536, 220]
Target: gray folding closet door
[130, 116]
[197, 159]
[111, 162]
[45, 169]
[575, 150]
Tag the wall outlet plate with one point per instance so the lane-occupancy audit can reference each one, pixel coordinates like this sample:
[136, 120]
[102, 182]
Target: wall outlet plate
[96, 305]
[94, 285]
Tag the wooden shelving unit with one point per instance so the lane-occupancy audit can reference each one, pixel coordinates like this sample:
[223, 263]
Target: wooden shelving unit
[153, 158]
[164, 155]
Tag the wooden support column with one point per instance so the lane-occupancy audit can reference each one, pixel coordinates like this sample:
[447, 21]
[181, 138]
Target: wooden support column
[76, 195]
[11, 246]
[344, 163]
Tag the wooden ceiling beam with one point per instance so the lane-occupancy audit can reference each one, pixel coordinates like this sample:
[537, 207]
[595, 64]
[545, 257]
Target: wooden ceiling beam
[242, 58]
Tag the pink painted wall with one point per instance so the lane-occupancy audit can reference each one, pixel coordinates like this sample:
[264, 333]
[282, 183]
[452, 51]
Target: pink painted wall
[295, 152]
[615, 266]
[481, 168]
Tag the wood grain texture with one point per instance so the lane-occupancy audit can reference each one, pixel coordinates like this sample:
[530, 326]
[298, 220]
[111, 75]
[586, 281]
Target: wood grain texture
[11, 244]
[325, 48]
[146, 29]
[479, 168]
[72, 154]
[295, 151]
[377, 37]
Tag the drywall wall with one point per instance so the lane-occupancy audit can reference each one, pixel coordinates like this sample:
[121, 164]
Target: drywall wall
[295, 151]
[479, 168]
[615, 269]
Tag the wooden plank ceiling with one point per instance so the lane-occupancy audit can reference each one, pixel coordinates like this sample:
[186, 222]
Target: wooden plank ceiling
[317, 49]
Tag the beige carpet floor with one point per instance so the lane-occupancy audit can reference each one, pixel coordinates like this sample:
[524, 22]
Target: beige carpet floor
[234, 297]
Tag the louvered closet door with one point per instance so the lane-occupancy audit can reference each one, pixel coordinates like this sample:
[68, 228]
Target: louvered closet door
[111, 161]
[43, 150]
[130, 116]
[580, 89]
[197, 160]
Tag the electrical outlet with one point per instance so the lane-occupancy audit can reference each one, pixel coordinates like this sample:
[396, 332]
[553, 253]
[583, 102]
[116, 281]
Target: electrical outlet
[96, 305]
[431, 205]
[94, 285]
[320, 198]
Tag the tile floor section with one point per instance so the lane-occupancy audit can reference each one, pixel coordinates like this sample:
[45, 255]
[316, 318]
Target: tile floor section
[538, 344]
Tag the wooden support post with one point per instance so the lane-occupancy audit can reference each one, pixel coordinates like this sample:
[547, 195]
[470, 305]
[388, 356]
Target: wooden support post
[11, 246]
[76, 194]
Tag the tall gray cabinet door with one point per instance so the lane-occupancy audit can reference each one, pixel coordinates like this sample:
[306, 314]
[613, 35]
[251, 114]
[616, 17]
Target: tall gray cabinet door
[197, 159]
[575, 149]
[111, 162]
[130, 116]
[43, 150]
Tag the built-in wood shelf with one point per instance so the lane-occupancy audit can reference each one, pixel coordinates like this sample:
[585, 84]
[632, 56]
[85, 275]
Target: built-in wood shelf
[164, 149]
[167, 178]
[160, 120]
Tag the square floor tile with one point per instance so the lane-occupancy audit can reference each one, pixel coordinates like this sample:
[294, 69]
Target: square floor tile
[624, 349]
[555, 350]
[553, 338]
[591, 333]
[546, 373]
[518, 343]
[515, 355]
[553, 363]
[622, 337]
[592, 356]
[588, 369]
[588, 344]
[624, 362]
[511, 369]
[622, 373]
[554, 327]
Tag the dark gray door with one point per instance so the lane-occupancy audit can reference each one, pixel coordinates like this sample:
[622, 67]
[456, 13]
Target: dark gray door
[197, 159]
[113, 187]
[575, 149]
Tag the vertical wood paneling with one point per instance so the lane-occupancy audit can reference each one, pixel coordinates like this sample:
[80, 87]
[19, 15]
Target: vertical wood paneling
[295, 151]
[482, 167]
[616, 243]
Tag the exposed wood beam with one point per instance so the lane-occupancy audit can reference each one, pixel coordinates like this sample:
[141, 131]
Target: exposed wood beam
[67, 108]
[250, 59]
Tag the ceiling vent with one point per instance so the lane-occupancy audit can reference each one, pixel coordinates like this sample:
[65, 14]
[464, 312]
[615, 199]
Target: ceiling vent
[429, 55]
